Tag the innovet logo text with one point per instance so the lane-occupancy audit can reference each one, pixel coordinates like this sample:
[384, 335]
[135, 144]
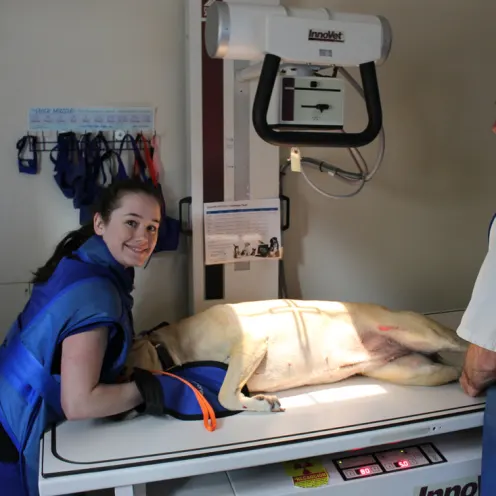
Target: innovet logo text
[320, 35]
[464, 487]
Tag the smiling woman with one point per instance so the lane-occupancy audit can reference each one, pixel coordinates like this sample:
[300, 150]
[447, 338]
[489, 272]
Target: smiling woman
[127, 211]
[131, 233]
[64, 355]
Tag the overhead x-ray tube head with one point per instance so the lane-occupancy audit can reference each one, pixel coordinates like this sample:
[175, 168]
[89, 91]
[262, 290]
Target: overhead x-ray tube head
[317, 37]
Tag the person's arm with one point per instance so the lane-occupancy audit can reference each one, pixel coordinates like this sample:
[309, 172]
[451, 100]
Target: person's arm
[479, 370]
[82, 396]
[478, 326]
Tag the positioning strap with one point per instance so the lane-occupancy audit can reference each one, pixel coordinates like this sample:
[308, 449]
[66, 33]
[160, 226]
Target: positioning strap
[209, 418]
[23, 371]
[27, 165]
[162, 352]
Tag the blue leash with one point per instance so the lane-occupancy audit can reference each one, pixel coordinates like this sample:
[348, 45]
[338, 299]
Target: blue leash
[78, 165]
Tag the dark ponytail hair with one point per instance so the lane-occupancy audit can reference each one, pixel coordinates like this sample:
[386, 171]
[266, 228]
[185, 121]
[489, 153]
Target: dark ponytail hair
[108, 200]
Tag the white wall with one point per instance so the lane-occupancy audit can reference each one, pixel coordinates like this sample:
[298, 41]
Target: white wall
[417, 233]
[90, 53]
[414, 237]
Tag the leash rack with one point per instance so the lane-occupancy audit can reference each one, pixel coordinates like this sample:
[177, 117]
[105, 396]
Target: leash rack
[89, 148]
[112, 129]
[84, 162]
[110, 145]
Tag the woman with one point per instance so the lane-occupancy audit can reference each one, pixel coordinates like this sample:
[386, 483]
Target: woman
[63, 356]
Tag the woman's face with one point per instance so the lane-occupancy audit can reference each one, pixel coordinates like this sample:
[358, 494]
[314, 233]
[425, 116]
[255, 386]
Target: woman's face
[131, 231]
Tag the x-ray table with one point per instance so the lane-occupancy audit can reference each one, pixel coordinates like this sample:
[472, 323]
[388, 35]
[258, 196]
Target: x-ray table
[357, 413]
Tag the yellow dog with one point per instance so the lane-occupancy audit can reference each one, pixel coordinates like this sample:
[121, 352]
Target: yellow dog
[273, 345]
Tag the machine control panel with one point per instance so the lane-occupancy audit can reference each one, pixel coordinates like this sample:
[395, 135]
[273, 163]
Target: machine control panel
[382, 462]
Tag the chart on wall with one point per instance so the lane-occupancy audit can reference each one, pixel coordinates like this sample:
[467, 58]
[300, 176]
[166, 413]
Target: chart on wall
[244, 230]
[91, 118]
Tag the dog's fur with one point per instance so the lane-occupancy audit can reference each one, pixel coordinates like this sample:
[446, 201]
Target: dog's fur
[273, 345]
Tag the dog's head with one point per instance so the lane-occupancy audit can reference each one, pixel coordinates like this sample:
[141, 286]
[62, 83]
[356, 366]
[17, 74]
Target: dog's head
[142, 355]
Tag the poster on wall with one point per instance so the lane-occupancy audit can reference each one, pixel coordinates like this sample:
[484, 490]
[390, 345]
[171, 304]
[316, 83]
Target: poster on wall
[91, 118]
[242, 231]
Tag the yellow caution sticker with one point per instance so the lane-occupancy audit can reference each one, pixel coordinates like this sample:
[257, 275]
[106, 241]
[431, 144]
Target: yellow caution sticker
[307, 473]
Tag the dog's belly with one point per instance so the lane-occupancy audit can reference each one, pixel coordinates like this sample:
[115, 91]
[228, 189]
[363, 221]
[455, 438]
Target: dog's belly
[274, 377]
[327, 357]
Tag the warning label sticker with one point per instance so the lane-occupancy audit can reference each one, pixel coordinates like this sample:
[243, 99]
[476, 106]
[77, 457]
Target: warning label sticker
[307, 473]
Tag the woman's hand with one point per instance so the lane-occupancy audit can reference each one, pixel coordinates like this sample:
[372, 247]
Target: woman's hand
[82, 396]
[479, 370]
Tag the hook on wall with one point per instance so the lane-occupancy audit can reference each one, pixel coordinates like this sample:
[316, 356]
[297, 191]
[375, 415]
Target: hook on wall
[114, 139]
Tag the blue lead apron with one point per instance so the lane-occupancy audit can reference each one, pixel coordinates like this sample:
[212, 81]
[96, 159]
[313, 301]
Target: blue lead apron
[10, 479]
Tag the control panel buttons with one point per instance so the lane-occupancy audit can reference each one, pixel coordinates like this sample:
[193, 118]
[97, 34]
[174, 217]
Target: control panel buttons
[387, 461]
[429, 450]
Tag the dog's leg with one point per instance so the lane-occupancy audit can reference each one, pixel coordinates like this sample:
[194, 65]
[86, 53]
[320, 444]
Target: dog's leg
[415, 370]
[420, 333]
[244, 360]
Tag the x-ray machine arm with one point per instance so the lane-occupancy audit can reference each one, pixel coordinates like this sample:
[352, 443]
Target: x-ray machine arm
[290, 109]
[252, 83]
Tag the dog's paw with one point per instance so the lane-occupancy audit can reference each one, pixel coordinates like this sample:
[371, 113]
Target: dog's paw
[267, 403]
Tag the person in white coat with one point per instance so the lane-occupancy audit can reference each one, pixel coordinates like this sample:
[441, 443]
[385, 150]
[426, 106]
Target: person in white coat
[478, 326]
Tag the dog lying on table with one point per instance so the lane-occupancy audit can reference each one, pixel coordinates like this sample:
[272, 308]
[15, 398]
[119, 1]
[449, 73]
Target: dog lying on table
[273, 345]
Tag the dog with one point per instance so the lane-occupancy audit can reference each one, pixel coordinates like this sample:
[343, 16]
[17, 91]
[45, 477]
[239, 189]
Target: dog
[275, 345]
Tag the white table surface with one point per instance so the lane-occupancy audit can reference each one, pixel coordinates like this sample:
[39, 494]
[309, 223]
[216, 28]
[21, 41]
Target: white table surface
[352, 414]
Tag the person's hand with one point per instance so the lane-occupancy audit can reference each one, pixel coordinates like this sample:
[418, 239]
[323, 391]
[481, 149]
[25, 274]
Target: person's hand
[479, 370]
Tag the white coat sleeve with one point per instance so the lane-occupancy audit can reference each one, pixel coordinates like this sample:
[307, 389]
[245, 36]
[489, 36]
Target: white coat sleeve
[478, 324]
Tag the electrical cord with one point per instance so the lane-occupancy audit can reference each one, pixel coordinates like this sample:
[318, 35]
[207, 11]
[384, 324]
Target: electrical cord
[362, 176]
[349, 177]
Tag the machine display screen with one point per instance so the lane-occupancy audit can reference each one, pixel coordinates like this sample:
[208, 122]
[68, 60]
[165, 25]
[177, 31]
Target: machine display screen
[364, 471]
[392, 460]
[370, 470]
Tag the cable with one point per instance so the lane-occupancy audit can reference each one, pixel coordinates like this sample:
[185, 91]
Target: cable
[349, 177]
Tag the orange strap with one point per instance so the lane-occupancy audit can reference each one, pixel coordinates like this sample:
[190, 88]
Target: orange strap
[148, 160]
[207, 410]
[156, 156]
